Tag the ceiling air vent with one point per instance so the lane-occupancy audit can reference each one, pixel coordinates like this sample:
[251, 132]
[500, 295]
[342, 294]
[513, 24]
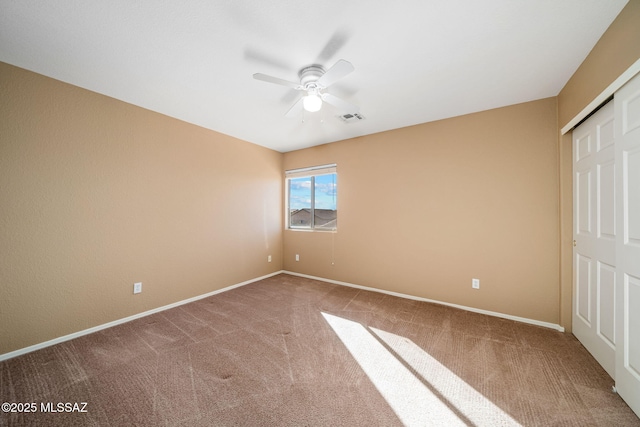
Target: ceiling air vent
[351, 117]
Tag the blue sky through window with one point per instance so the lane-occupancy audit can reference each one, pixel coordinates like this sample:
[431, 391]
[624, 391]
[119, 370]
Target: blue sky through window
[325, 192]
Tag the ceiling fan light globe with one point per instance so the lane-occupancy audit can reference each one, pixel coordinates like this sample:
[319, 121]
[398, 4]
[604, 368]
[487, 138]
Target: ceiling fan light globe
[312, 103]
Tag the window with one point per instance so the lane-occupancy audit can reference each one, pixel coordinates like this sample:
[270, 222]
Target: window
[311, 198]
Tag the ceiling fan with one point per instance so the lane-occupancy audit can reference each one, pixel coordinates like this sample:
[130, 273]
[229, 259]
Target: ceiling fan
[314, 80]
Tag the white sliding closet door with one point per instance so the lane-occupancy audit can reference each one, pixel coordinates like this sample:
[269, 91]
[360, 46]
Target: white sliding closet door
[606, 255]
[627, 118]
[594, 254]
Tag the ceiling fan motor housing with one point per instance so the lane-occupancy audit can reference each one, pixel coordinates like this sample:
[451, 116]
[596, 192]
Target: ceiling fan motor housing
[310, 74]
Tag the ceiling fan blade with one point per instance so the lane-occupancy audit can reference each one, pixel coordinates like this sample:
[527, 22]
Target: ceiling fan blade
[270, 79]
[335, 43]
[256, 55]
[341, 105]
[295, 110]
[335, 73]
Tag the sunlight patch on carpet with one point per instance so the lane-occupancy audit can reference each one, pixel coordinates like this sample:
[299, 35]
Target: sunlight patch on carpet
[439, 397]
[475, 407]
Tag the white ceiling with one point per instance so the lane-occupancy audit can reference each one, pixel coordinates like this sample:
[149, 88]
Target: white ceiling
[415, 60]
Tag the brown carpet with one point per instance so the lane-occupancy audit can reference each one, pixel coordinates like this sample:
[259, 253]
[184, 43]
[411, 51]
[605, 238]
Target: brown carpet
[289, 351]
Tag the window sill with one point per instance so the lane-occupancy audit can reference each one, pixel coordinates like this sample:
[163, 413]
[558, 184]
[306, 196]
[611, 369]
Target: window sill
[312, 230]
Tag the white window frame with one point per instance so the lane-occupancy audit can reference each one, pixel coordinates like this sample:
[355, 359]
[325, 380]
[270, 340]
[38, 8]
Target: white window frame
[310, 172]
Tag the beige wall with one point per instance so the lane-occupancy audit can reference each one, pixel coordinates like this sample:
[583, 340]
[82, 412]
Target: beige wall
[422, 210]
[96, 194]
[617, 50]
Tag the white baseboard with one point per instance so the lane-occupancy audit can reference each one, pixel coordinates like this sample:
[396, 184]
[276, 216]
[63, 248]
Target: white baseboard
[462, 307]
[78, 334]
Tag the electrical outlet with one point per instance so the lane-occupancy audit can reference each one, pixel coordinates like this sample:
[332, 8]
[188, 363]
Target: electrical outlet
[475, 283]
[137, 288]
[297, 257]
[269, 258]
